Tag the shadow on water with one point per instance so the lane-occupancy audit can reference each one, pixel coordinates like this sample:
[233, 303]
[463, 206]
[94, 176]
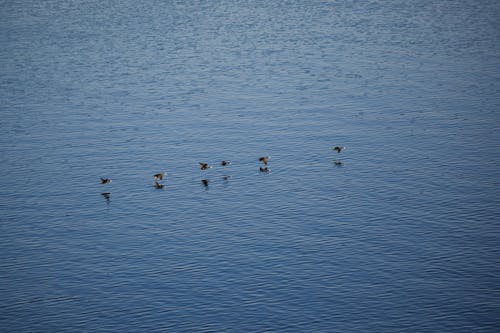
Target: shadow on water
[107, 196]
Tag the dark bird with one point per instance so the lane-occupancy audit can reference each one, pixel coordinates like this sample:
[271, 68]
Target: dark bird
[264, 169]
[159, 176]
[224, 163]
[204, 182]
[264, 159]
[338, 163]
[106, 195]
[158, 185]
[105, 180]
[204, 166]
[338, 149]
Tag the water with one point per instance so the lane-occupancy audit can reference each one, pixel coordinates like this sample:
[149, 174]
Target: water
[403, 236]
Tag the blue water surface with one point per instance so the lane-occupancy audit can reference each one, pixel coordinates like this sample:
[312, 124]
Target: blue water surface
[402, 234]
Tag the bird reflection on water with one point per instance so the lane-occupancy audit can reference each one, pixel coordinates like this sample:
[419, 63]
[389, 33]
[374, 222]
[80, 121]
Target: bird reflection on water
[106, 196]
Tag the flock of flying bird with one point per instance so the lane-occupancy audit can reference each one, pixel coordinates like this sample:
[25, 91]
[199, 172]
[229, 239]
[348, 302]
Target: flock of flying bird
[158, 178]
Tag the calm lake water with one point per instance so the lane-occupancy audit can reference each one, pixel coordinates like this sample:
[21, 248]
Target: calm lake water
[401, 235]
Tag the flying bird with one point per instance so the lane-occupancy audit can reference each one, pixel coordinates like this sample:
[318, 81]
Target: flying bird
[264, 159]
[204, 166]
[159, 176]
[204, 182]
[338, 149]
[105, 180]
[224, 163]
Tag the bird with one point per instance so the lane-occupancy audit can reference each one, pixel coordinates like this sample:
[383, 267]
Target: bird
[264, 159]
[204, 182]
[224, 163]
[338, 149]
[105, 180]
[264, 169]
[159, 176]
[158, 185]
[338, 163]
[204, 166]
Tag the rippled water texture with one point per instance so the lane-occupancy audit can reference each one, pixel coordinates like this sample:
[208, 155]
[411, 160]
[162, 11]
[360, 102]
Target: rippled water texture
[397, 233]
